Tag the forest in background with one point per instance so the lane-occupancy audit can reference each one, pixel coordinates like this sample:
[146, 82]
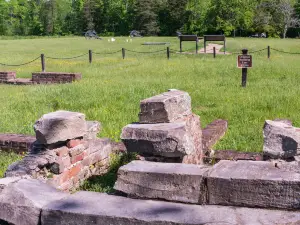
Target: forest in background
[278, 18]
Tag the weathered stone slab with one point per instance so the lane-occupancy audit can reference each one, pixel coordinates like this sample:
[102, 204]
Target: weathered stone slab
[60, 126]
[165, 108]
[172, 140]
[170, 181]
[21, 202]
[4, 182]
[253, 184]
[88, 208]
[281, 140]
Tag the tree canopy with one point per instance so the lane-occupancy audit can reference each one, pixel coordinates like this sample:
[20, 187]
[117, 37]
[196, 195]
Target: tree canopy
[151, 17]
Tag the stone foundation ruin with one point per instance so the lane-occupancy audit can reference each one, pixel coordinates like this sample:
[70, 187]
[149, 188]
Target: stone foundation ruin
[39, 78]
[177, 164]
[66, 151]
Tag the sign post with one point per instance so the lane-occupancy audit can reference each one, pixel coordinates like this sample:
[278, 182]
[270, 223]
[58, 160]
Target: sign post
[244, 61]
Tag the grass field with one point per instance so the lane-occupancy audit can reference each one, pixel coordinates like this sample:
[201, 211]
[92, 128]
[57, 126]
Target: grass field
[112, 87]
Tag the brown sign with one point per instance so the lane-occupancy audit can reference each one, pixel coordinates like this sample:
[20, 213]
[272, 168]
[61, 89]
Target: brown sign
[244, 61]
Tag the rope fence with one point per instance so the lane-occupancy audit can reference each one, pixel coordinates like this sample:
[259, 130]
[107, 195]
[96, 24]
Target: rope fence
[168, 52]
[22, 64]
[74, 57]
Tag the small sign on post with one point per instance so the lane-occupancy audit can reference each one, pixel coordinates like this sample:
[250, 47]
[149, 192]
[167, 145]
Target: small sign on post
[244, 61]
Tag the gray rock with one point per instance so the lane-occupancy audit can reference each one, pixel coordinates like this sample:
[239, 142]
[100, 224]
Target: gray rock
[165, 108]
[281, 140]
[4, 182]
[60, 126]
[172, 140]
[21, 202]
[170, 181]
[84, 208]
[253, 184]
[18, 169]
[93, 128]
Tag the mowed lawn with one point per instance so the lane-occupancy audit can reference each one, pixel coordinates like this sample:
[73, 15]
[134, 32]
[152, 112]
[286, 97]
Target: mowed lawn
[112, 88]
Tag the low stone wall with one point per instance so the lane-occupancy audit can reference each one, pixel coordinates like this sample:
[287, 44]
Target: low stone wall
[17, 143]
[39, 78]
[7, 75]
[232, 183]
[66, 151]
[32, 202]
[54, 77]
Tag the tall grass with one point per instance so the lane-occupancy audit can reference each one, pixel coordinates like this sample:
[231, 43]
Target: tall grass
[112, 88]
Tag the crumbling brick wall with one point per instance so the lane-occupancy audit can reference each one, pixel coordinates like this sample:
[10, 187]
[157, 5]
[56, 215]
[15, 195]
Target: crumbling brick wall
[66, 152]
[17, 143]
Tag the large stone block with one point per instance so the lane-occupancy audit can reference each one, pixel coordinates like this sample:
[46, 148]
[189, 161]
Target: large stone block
[172, 140]
[281, 140]
[60, 126]
[102, 209]
[21, 202]
[254, 184]
[170, 181]
[165, 108]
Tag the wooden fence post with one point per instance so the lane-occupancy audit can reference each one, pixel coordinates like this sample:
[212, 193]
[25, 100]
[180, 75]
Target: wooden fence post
[123, 53]
[168, 52]
[214, 52]
[244, 71]
[43, 63]
[90, 56]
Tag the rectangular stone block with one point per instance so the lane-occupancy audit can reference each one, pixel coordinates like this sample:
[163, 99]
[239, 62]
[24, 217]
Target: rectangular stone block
[170, 181]
[281, 140]
[102, 209]
[165, 108]
[60, 126]
[172, 140]
[253, 184]
[21, 202]
[100, 145]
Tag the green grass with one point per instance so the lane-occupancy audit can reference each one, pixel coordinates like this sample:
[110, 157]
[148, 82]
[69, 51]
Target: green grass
[112, 88]
[6, 159]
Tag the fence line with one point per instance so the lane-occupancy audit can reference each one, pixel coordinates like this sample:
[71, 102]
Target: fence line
[163, 50]
[74, 57]
[123, 50]
[292, 53]
[23, 64]
[106, 53]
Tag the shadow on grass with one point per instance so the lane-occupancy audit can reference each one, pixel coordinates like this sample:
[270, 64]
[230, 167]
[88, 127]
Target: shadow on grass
[106, 182]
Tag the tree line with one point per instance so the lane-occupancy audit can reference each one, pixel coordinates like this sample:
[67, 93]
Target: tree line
[277, 18]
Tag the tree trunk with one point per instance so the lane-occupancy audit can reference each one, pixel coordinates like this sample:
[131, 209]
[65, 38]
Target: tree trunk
[285, 31]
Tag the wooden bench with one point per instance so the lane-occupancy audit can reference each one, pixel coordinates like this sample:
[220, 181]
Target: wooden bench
[214, 38]
[188, 38]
